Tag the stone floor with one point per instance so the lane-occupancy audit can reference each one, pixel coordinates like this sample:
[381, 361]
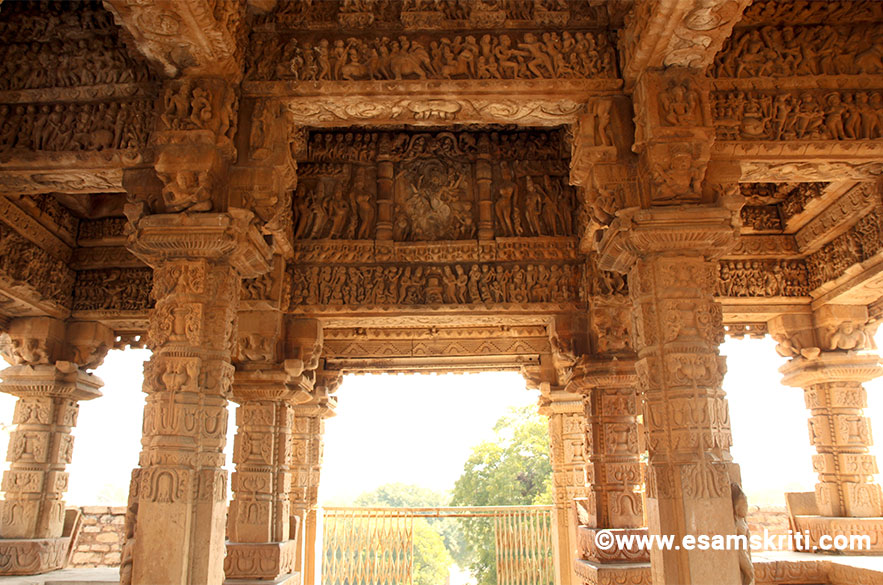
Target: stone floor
[111, 576]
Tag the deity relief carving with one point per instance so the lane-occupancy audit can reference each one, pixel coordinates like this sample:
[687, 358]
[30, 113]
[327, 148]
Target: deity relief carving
[550, 55]
[433, 202]
[676, 172]
[432, 183]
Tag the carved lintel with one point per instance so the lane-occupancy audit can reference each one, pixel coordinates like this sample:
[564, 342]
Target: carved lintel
[431, 110]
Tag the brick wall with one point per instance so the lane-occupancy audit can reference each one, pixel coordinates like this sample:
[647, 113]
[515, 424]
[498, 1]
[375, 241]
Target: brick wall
[773, 518]
[101, 537]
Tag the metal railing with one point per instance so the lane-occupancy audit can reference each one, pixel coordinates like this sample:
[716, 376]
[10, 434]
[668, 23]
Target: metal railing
[375, 546]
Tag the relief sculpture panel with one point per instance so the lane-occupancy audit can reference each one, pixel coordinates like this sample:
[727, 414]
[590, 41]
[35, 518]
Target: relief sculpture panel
[434, 183]
[434, 217]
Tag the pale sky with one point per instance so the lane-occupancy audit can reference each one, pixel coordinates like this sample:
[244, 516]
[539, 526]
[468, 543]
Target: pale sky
[420, 429]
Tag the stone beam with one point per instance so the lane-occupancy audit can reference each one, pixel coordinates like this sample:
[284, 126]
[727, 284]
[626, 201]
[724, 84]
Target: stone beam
[186, 36]
[681, 33]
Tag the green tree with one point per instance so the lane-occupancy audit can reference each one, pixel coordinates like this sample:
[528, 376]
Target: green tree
[514, 469]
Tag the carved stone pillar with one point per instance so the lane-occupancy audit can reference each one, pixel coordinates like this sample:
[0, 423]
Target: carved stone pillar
[614, 445]
[199, 260]
[385, 195]
[668, 254]
[263, 541]
[483, 181]
[307, 446]
[48, 376]
[832, 355]
[567, 437]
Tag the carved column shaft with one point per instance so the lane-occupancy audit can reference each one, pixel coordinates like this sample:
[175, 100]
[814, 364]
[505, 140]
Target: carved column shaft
[614, 447]
[567, 436]
[182, 491]
[385, 198]
[259, 511]
[48, 376]
[307, 445]
[483, 179]
[678, 329]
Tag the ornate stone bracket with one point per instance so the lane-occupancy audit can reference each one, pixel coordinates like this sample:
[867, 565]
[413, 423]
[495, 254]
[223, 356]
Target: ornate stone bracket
[182, 37]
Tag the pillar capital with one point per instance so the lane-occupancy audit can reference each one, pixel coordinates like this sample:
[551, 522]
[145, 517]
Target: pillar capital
[599, 372]
[41, 341]
[231, 236]
[831, 366]
[706, 231]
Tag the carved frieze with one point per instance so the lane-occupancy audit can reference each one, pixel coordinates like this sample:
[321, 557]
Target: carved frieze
[117, 125]
[113, 289]
[791, 12]
[860, 243]
[432, 15]
[761, 218]
[24, 263]
[56, 242]
[104, 231]
[763, 278]
[399, 105]
[852, 205]
[838, 170]
[500, 249]
[765, 245]
[431, 284]
[801, 51]
[529, 55]
[798, 115]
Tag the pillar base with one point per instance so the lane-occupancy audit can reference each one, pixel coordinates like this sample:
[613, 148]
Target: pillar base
[834, 526]
[260, 561]
[590, 573]
[32, 556]
[588, 551]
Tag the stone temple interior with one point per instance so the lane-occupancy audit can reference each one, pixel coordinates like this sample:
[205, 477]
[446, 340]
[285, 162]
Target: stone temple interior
[269, 194]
